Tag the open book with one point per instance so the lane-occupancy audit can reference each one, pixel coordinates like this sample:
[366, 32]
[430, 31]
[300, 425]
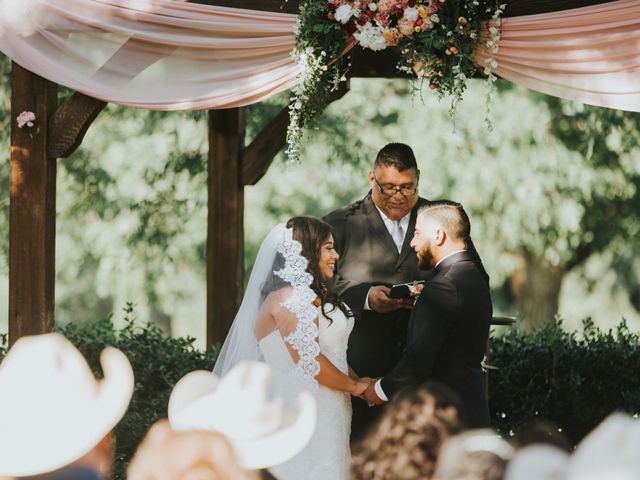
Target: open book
[404, 289]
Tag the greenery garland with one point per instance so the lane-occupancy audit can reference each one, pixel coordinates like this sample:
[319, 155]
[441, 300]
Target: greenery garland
[438, 39]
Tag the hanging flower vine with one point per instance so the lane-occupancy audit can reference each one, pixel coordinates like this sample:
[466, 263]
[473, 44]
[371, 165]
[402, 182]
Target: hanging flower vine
[438, 41]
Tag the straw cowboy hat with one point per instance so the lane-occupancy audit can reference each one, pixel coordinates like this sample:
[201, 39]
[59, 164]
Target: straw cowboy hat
[52, 409]
[264, 430]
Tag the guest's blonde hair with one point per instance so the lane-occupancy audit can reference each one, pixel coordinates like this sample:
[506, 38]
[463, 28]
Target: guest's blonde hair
[406, 441]
[187, 455]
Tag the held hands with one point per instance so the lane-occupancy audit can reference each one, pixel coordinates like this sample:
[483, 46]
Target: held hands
[371, 396]
[380, 302]
[359, 387]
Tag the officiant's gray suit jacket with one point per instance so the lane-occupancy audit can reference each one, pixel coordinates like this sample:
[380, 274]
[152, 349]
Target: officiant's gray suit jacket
[368, 257]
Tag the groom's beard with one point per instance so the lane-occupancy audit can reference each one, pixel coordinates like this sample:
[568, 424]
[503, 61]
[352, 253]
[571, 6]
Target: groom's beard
[425, 257]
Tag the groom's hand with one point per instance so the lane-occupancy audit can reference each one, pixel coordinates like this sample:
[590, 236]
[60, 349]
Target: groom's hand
[370, 395]
[381, 302]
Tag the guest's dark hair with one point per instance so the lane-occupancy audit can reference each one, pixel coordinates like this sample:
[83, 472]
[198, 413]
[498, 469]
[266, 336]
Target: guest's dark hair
[397, 155]
[540, 432]
[406, 441]
[312, 232]
[450, 215]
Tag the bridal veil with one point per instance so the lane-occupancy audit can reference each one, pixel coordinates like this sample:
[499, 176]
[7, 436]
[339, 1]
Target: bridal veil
[280, 270]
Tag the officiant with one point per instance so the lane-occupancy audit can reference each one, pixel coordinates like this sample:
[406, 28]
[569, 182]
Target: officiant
[373, 237]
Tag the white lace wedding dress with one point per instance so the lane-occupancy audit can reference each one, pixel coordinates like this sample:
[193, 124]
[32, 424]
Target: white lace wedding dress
[327, 455]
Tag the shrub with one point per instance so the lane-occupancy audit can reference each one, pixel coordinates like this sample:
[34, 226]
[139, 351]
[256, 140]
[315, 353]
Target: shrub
[571, 379]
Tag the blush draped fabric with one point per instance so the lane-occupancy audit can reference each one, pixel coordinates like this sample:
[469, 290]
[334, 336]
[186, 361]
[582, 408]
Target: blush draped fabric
[153, 54]
[590, 54]
[172, 55]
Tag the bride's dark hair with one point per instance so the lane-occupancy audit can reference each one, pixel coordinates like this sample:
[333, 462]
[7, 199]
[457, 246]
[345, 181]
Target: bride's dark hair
[312, 232]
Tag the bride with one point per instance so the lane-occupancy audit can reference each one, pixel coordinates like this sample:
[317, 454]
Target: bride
[290, 320]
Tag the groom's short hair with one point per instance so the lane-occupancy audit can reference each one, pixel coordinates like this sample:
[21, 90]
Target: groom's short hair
[397, 155]
[450, 215]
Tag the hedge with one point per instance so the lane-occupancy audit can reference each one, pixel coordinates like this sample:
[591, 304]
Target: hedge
[572, 379]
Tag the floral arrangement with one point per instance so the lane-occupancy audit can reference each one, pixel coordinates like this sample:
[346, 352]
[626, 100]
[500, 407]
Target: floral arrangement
[378, 24]
[438, 40]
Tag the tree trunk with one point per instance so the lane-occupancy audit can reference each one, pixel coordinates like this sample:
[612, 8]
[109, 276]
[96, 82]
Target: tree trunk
[536, 286]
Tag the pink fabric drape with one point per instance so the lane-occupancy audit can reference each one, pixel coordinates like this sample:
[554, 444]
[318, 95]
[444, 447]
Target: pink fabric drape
[153, 54]
[170, 55]
[590, 55]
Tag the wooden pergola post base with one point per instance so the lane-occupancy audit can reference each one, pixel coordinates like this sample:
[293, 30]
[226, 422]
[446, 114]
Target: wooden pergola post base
[225, 230]
[32, 208]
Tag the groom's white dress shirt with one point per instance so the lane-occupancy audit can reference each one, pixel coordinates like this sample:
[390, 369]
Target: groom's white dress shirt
[378, 387]
[398, 230]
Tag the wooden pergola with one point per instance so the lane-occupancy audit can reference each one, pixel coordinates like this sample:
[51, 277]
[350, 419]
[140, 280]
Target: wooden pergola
[231, 167]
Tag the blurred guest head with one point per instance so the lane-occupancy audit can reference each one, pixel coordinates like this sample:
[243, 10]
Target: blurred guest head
[56, 417]
[473, 455]
[263, 428]
[197, 454]
[540, 433]
[406, 441]
[611, 452]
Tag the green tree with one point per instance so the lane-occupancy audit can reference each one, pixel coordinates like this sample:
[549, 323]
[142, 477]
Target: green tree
[132, 200]
[546, 189]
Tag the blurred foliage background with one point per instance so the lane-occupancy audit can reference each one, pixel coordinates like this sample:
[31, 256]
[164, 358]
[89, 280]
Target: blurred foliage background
[552, 192]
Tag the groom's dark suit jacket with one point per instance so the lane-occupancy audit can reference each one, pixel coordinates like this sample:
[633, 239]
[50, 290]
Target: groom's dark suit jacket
[447, 336]
[368, 256]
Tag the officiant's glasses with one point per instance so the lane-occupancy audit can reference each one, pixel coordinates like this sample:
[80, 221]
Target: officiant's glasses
[389, 192]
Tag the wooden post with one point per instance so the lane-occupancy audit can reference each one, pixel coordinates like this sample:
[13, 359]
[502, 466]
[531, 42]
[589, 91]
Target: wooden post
[225, 232]
[32, 217]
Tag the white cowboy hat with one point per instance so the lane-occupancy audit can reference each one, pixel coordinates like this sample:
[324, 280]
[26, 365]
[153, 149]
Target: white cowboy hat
[52, 409]
[265, 431]
[611, 451]
[539, 461]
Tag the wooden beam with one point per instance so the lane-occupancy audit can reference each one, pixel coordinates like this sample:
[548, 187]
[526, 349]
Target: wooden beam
[258, 155]
[285, 6]
[70, 123]
[225, 233]
[514, 7]
[32, 221]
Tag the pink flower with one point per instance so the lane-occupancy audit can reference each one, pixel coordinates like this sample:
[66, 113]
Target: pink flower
[26, 118]
[405, 26]
[386, 7]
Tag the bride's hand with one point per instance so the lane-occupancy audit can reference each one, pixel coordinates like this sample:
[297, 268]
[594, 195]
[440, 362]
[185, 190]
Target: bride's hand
[359, 386]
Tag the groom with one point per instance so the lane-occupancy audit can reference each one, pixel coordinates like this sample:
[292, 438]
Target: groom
[449, 324]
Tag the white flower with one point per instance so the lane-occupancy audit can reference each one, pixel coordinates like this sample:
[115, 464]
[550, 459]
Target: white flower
[343, 13]
[373, 6]
[434, 18]
[493, 30]
[371, 37]
[411, 14]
